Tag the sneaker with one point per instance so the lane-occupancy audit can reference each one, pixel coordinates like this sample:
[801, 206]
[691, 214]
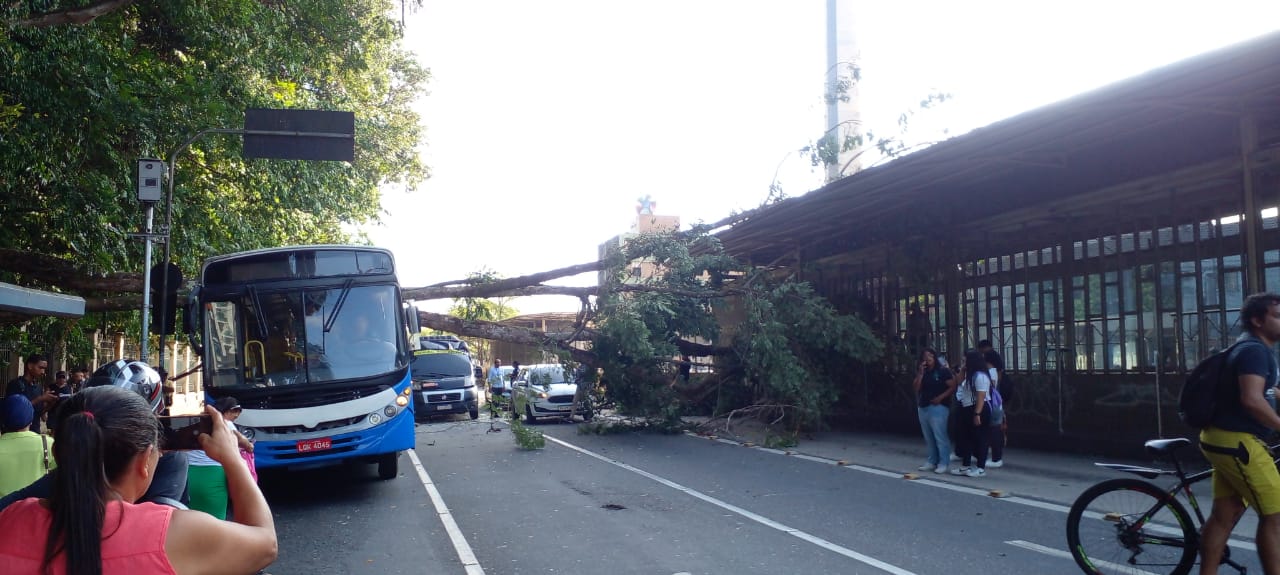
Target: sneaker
[960, 471]
[925, 467]
[940, 469]
[976, 472]
[955, 457]
[997, 463]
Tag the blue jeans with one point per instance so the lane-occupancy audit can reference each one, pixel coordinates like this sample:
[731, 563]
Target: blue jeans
[933, 422]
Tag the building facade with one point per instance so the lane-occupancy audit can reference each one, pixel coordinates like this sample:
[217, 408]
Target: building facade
[1104, 244]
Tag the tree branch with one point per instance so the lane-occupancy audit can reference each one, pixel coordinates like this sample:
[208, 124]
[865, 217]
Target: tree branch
[55, 271]
[530, 279]
[78, 15]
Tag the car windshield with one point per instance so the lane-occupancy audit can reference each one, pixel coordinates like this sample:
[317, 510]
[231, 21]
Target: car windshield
[546, 374]
[426, 365]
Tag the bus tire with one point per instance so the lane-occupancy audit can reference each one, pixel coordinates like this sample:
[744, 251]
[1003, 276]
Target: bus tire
[388, 465]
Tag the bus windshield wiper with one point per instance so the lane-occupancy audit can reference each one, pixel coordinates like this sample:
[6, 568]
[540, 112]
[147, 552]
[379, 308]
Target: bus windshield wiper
[257, 311]
[337, 306]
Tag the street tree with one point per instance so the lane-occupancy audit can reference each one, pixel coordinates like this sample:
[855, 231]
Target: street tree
[87, 88]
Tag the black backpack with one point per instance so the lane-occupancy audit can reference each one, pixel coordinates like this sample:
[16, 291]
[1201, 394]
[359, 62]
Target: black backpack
[1203, 388]
[1008, 390]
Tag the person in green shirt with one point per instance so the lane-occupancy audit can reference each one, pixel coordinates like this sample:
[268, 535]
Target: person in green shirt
[25, 455]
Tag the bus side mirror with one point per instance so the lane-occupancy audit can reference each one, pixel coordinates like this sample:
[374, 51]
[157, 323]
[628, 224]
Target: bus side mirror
[191, 321]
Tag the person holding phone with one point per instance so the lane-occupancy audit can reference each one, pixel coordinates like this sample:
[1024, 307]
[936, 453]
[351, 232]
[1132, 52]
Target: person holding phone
[169, 485]
[107, 451]
[933, 386]
[206, 479]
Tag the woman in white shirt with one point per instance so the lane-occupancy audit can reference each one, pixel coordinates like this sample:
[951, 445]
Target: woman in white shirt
[996, 403]
[974, 416]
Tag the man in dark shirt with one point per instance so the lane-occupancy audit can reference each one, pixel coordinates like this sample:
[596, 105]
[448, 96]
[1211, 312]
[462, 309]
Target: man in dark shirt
[1243, 471]
[78, 377]
[31, 384]
[61, 386]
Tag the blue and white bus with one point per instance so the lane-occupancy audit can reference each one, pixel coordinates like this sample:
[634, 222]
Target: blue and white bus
[313, 342]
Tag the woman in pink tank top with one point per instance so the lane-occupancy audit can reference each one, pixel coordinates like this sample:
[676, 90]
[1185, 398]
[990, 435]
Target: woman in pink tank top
[107, 444]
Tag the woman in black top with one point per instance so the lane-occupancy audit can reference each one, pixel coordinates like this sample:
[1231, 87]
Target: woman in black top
[933, 386]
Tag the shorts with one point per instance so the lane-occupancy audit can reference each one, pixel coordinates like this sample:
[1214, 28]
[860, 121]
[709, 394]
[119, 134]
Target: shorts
[1242, 467]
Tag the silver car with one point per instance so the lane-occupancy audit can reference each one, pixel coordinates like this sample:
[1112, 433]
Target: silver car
[543, 391]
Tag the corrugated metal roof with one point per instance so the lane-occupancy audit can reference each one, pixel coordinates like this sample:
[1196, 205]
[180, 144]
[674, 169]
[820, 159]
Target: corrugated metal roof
[1039, 164]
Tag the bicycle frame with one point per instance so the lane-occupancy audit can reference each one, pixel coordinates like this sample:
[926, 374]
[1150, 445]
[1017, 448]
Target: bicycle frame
[1183, 485]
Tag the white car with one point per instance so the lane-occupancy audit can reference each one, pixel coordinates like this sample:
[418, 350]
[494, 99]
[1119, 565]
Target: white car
[543, 391]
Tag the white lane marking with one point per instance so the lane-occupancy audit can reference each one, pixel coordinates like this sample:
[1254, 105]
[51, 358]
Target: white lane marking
[1060, 553]
[460, 544]
[872, 561]
[972, 491]
[1064, 509]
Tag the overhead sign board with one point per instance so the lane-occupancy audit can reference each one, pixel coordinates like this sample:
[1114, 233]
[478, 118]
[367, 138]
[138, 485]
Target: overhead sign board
[300, 134]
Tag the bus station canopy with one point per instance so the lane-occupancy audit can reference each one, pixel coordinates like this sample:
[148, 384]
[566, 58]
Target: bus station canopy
[32, 302]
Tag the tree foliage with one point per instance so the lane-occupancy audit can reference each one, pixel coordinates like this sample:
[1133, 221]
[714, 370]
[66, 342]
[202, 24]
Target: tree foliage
[88, 88]
[478, 308]
[784, 344]
[79, 104]
[850, 136]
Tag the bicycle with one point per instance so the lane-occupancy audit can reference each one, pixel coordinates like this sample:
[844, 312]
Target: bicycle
[1142, 527]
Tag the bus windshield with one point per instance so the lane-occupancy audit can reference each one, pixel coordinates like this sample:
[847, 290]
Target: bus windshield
[266, 338]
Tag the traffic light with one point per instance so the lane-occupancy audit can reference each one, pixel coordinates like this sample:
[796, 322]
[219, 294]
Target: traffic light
[165, 297]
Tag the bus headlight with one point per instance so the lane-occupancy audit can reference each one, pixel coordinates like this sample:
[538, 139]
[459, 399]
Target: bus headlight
[390, 410]
[375, 418]
[248, 433]
[402, 401]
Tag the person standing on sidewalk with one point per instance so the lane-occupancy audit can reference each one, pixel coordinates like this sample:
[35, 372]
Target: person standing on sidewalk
[31, 384]
[995, 369]
[1243, 472]
[933, 386]
[495, 377]
[975, 418]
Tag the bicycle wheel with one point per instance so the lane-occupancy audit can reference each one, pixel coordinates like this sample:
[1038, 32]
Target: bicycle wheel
[1129, 526]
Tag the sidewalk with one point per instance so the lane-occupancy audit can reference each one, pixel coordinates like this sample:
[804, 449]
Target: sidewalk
[1046, 476]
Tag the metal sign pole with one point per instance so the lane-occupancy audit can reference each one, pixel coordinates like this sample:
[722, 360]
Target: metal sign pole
[173, 171]
[150, 173]
[146, 284]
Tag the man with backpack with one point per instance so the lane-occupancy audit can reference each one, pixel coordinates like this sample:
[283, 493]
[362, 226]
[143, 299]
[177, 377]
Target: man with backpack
[1243, 414]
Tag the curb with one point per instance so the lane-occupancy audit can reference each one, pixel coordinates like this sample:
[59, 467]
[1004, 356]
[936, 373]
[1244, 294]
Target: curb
[910, 476]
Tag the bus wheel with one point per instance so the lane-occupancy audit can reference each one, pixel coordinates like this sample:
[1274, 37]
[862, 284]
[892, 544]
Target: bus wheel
[388, 465]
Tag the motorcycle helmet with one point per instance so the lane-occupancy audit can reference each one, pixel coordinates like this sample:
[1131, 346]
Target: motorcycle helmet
[133, 375]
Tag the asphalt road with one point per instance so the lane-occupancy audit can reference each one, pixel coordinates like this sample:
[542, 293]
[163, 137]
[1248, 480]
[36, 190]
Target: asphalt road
[649, 504]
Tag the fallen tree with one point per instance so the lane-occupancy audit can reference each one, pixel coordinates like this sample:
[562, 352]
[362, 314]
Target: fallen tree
[785, 345]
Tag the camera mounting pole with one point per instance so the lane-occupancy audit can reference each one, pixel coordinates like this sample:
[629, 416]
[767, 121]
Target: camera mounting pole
[268, 133]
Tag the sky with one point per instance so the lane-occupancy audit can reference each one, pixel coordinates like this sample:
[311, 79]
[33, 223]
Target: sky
[545, 121]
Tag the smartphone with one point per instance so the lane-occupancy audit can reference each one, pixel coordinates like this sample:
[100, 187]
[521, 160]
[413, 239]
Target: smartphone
[181, 432]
